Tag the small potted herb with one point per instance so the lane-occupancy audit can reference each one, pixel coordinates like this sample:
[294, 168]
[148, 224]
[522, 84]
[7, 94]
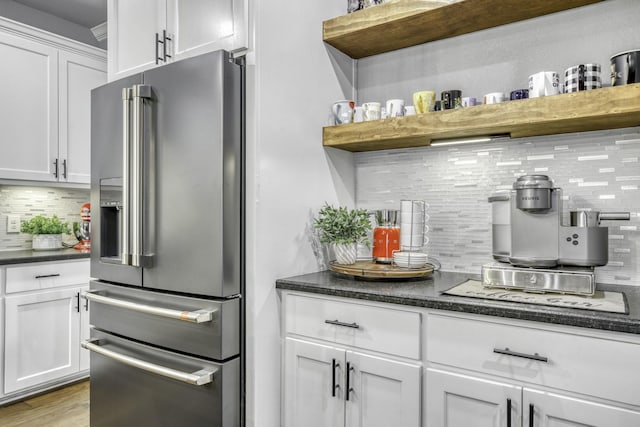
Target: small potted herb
[343, 229]
[46, 232]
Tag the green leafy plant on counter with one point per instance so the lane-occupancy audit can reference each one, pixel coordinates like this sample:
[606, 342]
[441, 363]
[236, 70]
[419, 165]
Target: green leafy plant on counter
[43, 225]
[341, 225]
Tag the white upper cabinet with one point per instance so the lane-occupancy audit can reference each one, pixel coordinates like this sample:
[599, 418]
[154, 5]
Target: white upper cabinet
[147, 33]
[46, 84]
[29, 110]
[79, 75]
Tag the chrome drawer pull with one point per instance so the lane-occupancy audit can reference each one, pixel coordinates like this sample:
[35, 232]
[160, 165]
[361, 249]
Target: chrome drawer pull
[336, 322]
[534, 356]
[199, 316]
[201, 377]
[42, 276]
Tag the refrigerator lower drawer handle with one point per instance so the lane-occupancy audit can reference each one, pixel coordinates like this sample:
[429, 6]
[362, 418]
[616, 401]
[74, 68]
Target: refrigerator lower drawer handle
[202, 377]
[198, 316]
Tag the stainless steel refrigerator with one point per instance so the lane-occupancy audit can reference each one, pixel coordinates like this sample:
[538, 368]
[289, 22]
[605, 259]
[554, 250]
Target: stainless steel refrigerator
[167, 260]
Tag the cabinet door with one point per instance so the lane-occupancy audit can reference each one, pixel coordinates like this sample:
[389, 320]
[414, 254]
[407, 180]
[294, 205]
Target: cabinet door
[28, 112]
[78, 75]
[455, 400]
[199, 26]
[555, 410]
[381, 392]
[85, 331]
[41, 337]
[310, 372]
[132, 27]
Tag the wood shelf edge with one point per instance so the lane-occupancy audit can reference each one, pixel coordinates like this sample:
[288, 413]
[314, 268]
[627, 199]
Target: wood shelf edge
[413, 22]
[608, 108]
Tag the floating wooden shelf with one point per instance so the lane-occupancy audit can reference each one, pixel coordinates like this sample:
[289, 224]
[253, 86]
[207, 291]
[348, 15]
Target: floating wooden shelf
[403, 23]
[607, 108]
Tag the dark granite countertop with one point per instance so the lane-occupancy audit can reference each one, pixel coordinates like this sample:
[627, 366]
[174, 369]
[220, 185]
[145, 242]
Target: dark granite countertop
[429, 294]
[27, 255]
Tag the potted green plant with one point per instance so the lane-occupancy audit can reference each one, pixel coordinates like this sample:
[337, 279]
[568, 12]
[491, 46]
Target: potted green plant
[343, 229]
[46, 232]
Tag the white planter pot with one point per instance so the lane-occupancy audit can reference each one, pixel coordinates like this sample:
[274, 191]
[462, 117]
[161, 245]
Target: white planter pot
[46, 242]
[345, 253]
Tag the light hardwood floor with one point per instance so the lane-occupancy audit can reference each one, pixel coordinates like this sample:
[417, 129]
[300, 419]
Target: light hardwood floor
[66, 407]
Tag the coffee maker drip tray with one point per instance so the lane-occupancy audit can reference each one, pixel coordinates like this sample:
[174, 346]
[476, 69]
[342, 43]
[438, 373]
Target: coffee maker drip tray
[564, 280]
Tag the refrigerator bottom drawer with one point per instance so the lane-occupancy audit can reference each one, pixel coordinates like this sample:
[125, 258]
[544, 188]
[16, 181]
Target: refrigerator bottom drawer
[136, 384]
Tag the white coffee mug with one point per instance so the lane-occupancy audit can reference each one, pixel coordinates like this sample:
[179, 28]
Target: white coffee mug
[544, 83]
[468, 102]
[342, 112]
[371, 111]
[395, 108]
[409, 110]
[358, 115]
[494, 98]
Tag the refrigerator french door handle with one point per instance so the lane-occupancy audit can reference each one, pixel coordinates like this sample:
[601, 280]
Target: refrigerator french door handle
[126, 178]
[198, 316]
[139, 93]
[201, 377]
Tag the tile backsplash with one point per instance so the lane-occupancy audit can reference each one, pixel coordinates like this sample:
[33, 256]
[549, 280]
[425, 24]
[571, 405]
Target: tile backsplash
[32, 201]
[596, 170]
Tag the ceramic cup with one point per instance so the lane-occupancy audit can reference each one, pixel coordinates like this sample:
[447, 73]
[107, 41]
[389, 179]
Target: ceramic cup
[519, 94]
[371, 111]
[468, 102]
[395, 108]
[451, 99]
[544, 83]
[424, 101]
[409, 110]
[582, 77]
[494, 98]
[342, 112]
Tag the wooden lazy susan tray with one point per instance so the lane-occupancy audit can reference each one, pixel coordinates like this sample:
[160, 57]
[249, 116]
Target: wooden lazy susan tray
[371, 270]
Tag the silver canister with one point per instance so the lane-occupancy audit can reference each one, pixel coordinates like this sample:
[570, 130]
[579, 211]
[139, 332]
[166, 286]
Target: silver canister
[533, 192]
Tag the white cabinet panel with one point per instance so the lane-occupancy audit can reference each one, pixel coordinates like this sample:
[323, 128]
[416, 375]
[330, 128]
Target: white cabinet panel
[132, 27]
[382, 392]
[455, 400]
[555, 410]
[308, 379]
[29, 110]
[45, 275]
[42, 332]
[200, 26]
[78, 76]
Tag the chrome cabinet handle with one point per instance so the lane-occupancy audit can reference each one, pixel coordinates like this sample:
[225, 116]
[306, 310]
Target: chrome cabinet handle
[64, 168]
[42, 276]
[55, 171]
[157, 48]
[348, 388]
[198, 316]
[334, 386]
[534, 356]
[165, 39]
[336, 322]
[201, 377]
[126, 147]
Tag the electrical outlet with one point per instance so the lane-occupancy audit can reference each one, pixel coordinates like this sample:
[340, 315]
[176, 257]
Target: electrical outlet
[13, 223]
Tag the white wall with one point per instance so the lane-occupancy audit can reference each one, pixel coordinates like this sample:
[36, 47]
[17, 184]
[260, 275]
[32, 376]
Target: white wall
[292, 81]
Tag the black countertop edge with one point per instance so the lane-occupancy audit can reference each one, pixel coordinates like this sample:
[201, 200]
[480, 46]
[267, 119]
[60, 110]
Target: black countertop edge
[320, 283]
[29, 256]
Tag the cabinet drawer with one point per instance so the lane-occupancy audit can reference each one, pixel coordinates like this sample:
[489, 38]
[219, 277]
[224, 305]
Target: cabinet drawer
[590, 365]
[380, 329]
[45, 275]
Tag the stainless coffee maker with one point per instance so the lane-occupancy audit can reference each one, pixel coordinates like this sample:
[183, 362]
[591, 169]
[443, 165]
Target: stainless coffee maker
[545, 254]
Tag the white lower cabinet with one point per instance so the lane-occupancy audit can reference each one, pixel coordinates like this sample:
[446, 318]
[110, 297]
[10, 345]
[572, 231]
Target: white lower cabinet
[42, 336]
[336, 375]
[44, 321]
[329, 386]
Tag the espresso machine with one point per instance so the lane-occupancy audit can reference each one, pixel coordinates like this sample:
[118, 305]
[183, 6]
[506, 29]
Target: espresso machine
[535, 250]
